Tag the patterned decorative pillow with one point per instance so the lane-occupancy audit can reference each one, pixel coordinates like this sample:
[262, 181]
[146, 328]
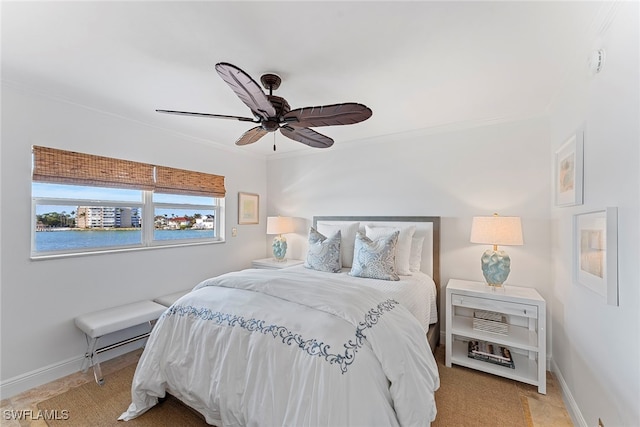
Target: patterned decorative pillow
[324, 253]
[375, 259]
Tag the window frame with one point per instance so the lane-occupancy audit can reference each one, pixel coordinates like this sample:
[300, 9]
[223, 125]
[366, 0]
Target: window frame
[58, 166]
[147, 207]
[176, 242]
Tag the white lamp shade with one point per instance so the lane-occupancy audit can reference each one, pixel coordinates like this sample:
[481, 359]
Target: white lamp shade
[279, 225]
[497, 230]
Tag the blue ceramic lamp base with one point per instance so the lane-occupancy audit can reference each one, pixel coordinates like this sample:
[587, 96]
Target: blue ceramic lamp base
[279, 248]
[496, 266]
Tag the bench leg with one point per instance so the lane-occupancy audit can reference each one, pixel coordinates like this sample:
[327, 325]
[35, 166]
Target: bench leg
[92, 351]
[90, 361]
[97, 374]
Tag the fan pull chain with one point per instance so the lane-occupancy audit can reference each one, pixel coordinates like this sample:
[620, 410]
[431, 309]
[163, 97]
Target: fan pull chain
[274, 141]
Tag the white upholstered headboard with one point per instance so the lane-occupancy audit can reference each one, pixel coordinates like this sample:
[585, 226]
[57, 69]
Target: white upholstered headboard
[427, 226]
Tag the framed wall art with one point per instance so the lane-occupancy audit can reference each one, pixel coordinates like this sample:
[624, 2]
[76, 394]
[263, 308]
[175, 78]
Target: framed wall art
[568, 171]
[596, 252]
[248, 208]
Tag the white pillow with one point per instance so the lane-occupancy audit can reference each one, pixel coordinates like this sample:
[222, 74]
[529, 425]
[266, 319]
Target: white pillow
[348, 231]
[415, 259]
[375, 259]
[403, 250]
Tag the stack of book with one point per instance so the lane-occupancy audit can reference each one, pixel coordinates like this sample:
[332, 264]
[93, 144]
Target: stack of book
[492, 353]
[488, 321]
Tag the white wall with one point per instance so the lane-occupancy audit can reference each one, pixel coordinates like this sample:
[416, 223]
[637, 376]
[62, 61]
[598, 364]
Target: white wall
[507, 168]
[458, 174]
[596, 347]
[41, 298]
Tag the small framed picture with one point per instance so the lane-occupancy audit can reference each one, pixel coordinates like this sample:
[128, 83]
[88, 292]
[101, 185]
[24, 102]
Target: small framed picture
[568, 171]
[596, 252]
[248, 208]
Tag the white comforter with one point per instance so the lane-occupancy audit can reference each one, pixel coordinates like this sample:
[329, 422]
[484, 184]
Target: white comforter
[285, 348]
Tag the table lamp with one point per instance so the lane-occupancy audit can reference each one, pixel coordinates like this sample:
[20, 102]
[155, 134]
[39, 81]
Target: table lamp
[496, 230]
[279, 225]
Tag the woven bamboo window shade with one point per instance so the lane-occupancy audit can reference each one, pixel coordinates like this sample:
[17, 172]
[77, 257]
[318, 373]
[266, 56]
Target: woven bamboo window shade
[68, 167]
[180, 181]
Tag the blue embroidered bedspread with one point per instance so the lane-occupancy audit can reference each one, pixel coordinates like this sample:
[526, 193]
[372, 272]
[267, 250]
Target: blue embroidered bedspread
[289, 348]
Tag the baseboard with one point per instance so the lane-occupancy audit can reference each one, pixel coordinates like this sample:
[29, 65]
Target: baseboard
[40, 376]
[37, 377]
[570, 402]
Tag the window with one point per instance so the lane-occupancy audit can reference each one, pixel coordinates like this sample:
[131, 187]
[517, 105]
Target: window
[71, 218]
[84, 203]
[193, 216]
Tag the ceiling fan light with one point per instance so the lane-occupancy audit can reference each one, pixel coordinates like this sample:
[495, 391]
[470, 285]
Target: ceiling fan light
[270, 125]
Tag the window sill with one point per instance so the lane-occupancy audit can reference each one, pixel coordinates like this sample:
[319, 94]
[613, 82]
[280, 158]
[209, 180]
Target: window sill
[38, 257]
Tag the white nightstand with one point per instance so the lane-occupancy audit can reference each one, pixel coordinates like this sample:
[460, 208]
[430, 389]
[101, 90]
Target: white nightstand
[272, 264]
[525, 312]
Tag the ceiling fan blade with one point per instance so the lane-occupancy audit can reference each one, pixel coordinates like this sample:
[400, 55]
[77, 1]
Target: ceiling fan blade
[307, 136]
[251, 136]
[217, 116]
[247, 90]
[328, 115]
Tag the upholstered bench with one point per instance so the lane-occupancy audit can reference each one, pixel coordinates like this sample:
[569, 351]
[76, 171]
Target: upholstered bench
[168, 300]
[100, 323]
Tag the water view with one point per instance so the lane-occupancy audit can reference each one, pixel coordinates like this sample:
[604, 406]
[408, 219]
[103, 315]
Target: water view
[59, 240]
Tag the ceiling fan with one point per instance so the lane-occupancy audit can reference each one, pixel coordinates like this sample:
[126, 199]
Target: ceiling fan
[273, 112]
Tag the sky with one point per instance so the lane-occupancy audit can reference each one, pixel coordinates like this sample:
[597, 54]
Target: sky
[81, 193]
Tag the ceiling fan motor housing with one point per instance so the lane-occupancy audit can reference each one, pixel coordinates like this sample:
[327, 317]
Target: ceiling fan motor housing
[270, 125]
[282, 107]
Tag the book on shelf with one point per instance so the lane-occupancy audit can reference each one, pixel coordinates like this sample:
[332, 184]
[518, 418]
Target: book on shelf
[489, 321]
[492, 353]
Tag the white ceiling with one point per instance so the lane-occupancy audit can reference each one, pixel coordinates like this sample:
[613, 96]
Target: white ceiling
[417, 65]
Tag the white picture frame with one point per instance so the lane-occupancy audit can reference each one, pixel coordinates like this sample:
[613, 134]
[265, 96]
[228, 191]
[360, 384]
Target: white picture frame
[569, 162]
[596, 252]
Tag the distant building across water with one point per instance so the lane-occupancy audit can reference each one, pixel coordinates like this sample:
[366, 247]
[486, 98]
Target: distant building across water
[107, 217]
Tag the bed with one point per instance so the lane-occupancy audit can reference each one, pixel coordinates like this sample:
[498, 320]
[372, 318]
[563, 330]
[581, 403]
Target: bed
[344, 342]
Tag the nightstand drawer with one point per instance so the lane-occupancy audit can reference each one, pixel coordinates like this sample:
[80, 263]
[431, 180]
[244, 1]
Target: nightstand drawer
[524, 310]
